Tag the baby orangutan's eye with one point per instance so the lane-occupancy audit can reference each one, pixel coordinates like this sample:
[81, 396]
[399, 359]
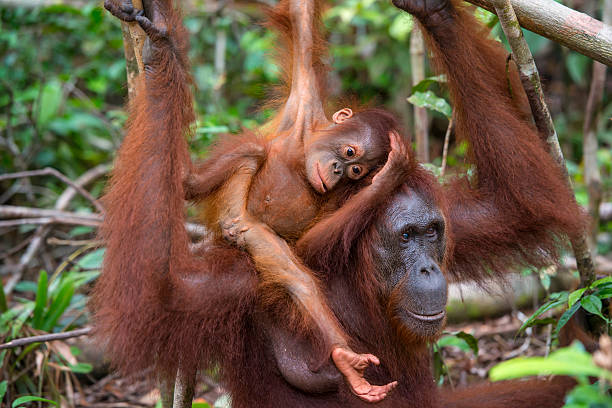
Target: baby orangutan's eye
[349, 152]
[356, 171]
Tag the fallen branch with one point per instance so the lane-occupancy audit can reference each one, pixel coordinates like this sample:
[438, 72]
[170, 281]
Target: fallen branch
[45, 337]
[49, 171]
[41, 232]
[45, 216]
[29, 215]
[568, 27]
[533, 87]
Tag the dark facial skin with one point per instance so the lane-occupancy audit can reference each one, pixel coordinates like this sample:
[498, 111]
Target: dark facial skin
[342, 153]
[411, 250]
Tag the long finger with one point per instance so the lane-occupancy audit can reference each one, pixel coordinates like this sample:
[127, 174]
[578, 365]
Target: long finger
[393, 140]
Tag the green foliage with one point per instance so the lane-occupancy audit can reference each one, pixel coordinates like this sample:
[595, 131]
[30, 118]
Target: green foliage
[572, 361]
[51, 304]
[29, 398]
[462, 340]
[589, 298]
[430, 101]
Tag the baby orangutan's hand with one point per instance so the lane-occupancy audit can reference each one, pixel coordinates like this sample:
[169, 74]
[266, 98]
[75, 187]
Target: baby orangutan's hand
[398, 164]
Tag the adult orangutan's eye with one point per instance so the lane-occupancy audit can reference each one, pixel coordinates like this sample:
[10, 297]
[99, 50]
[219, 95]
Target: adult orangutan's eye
[356, 170]
[405, 236]
[350, 152]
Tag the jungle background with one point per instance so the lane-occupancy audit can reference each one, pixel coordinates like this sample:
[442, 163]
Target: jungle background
[62, 91]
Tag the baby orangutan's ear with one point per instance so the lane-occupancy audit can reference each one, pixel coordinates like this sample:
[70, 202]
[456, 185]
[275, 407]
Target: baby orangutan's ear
[342, 115]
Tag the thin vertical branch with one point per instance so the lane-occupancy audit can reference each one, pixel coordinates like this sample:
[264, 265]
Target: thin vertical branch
[133, 41]
[592, 177]
[449, 130]
[183, 389]
[533, 87]
[417, 60]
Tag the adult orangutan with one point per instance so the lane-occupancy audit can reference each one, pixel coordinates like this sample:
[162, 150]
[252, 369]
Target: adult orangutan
[255, 187]
[383, 258]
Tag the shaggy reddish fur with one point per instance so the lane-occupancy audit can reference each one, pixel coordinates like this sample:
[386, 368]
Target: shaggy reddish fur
[156, 305]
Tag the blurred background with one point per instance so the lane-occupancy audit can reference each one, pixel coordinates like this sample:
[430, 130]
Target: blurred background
[62, 91]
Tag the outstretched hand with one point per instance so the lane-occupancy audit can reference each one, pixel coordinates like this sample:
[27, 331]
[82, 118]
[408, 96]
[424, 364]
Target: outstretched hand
[421, 9]
[352, 366]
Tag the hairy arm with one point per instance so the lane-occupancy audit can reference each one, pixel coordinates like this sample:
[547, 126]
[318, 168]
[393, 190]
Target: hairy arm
[150, 301]
[222, 162]
[518, 206]
[304, 70]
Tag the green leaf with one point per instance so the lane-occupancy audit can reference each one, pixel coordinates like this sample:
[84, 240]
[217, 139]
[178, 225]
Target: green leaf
[21, 318]
[3, 386]
[431, 101]
[592, 304]
[573, 361]
[80, 230]
[575, 296]
[601, 282]
[426, 83]
[58, 306]
[555, 300]
[200, 405]
[41, 300]
[92, 260]
[470, 340]
[604, 294]
[577, 65]
[30, 398]
[50, 100]
[3, 304]
[81, 368]
[462, 340]
[588, 396]
[565, 317]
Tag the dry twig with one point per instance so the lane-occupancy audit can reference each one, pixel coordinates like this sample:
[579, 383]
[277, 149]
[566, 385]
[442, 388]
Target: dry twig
[45, 337]
[49, 171]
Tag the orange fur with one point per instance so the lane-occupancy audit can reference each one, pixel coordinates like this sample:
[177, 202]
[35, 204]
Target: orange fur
[158, 306]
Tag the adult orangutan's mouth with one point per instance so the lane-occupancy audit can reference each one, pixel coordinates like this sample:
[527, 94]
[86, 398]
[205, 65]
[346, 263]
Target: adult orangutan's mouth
[427, 318]
[323, 186]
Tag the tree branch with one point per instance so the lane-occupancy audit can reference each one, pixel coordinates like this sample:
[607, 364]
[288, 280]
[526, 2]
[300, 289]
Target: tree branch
[41, 232]
[533, 87]
[592, 176]
[45, 337]
[133, 41]
[49, 171]
[568, 27]
[421, 122]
